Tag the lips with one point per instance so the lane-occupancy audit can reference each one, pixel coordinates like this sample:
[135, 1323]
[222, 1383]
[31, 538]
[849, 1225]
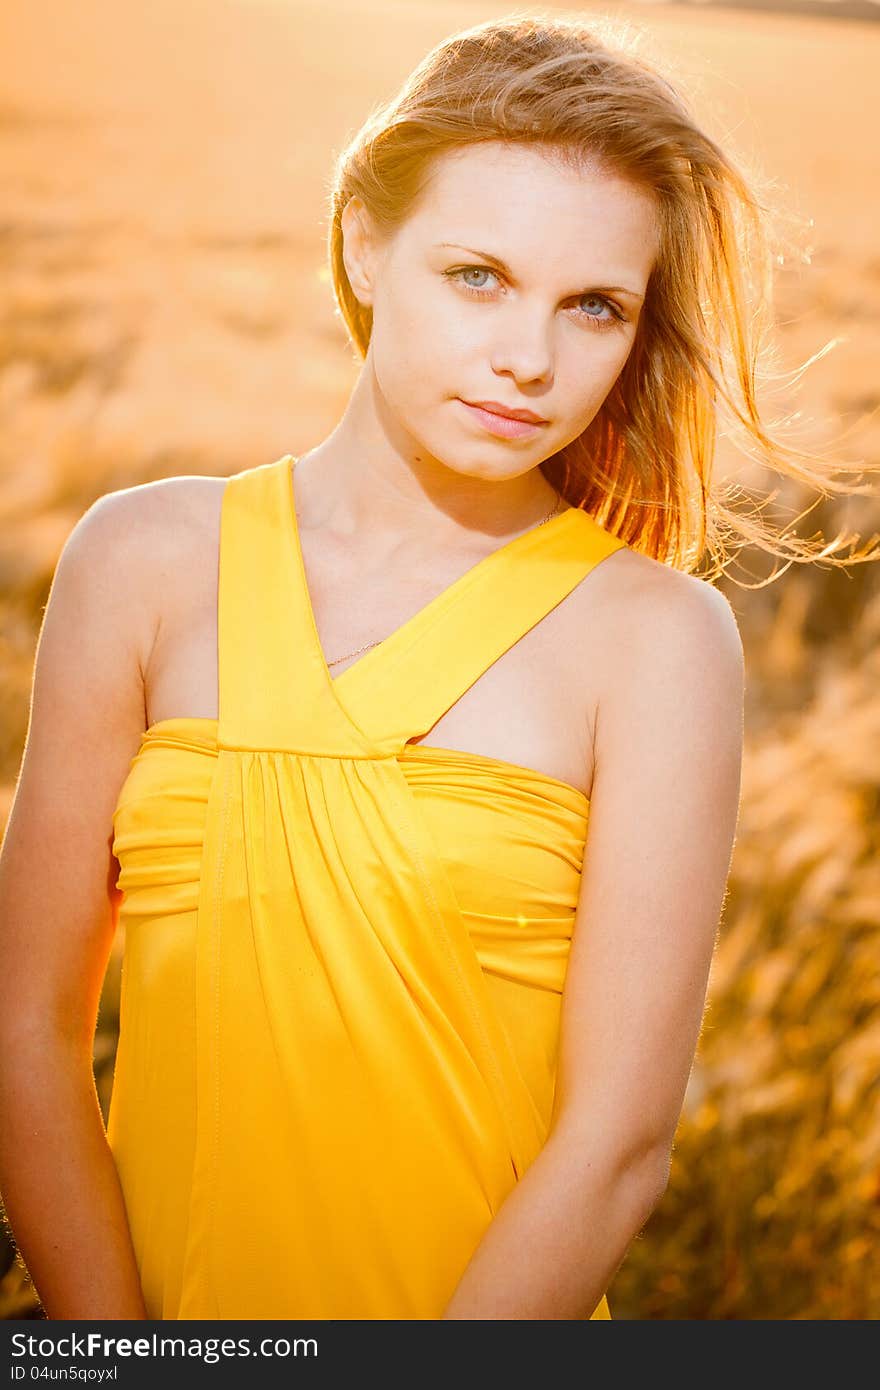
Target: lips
[502, 426]
[509, 412]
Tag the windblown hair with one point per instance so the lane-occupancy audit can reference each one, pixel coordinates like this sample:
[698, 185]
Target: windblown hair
[582, 94]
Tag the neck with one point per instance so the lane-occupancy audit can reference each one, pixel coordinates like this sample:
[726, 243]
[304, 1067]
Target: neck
[362, 480]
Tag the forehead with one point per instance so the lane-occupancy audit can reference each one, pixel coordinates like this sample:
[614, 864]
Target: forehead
[518, 200]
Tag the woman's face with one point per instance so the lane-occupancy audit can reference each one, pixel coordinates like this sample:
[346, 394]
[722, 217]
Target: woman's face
[546, 327]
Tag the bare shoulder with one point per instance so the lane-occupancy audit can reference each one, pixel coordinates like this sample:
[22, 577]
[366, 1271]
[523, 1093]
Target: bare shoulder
[663, 816]
[654, 614]
[165, 512]
[155, 535]
[671, 686]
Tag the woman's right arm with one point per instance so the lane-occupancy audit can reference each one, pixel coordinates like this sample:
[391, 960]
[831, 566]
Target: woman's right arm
[58, 912]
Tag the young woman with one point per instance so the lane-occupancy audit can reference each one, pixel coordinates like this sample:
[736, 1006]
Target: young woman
[399, 1037]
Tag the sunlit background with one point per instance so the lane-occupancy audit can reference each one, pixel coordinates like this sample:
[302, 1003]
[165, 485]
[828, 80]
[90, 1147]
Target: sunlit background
[166, 310]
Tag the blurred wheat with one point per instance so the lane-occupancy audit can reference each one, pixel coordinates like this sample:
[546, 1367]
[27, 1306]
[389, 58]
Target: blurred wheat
[773, 1206]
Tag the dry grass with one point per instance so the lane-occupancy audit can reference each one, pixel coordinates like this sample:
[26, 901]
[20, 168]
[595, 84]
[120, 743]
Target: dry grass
[773, 1208]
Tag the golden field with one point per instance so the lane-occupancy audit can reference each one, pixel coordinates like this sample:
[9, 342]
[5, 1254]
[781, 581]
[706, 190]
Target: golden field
[166, 309]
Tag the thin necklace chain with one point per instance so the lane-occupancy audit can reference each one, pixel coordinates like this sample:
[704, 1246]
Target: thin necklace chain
[335, 662]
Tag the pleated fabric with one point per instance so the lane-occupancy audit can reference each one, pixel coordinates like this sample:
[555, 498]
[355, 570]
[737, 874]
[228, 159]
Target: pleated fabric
[344, 951]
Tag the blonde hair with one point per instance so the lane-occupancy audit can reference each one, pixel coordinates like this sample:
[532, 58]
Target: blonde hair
[644, 466]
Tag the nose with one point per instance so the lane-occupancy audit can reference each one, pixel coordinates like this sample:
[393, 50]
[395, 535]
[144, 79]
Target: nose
[523, 345]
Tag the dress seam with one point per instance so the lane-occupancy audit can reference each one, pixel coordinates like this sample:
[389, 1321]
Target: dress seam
[217, 918]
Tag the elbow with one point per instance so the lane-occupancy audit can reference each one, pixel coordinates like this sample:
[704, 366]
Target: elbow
[644, 1174]
[637, 1169]
[38, 1043]
[658, 1181]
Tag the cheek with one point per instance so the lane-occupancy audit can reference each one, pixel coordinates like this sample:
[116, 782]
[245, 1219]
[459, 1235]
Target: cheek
[418, 339]
[614, 360]
[432, 320]
[411, 361]
[588, 374]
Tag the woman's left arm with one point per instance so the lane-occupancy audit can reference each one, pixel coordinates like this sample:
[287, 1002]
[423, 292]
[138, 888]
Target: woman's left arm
[662, 821]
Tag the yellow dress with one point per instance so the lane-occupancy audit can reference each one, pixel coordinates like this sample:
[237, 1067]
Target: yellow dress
[344, 953]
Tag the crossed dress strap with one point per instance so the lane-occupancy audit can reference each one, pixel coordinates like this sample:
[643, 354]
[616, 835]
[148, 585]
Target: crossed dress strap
[274, 687]
[276, 690]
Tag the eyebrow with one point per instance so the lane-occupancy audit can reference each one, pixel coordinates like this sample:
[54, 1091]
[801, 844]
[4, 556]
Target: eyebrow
[496, 260]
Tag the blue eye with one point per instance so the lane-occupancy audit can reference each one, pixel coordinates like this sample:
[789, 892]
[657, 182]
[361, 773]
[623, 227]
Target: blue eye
[479, 270]
[457, 274]
[600, 299]
[476, 290]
